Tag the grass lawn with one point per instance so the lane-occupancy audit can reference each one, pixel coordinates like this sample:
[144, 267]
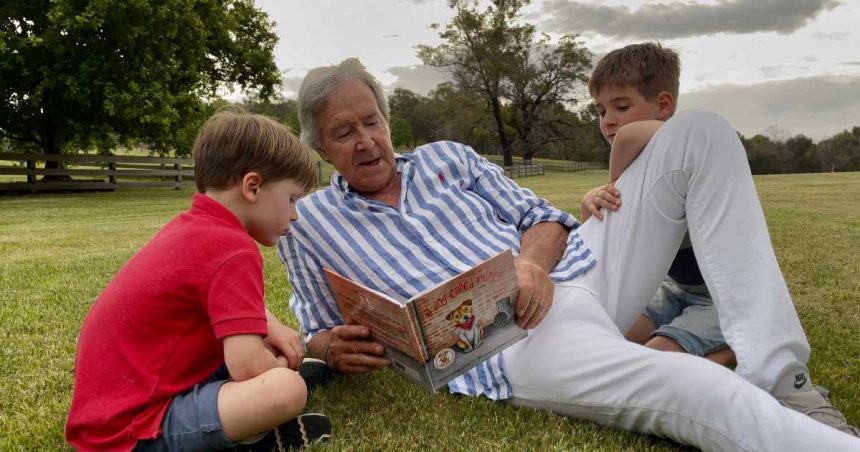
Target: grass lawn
[57, 252]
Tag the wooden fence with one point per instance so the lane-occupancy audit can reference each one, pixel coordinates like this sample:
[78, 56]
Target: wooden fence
[555, 165]
[28, 172]
[523, 170]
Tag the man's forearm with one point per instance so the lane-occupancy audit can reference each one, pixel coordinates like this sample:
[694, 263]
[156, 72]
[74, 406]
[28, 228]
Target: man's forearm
[543, 244]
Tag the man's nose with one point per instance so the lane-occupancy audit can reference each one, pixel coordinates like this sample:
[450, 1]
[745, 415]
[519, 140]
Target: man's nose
[365, 141]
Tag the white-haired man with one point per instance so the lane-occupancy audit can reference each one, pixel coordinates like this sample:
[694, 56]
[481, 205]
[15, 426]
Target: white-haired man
[402, 223]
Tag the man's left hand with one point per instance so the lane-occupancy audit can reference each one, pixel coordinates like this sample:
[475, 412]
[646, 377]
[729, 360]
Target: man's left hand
[536, 292]
[285, 342]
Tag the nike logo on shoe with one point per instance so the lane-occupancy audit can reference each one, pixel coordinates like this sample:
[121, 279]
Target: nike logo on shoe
[799, 380]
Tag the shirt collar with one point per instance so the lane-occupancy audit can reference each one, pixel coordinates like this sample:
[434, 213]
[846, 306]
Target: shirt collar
[204, 205]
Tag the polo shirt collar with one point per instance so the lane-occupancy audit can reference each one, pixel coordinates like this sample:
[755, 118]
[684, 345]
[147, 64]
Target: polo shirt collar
[206, 206]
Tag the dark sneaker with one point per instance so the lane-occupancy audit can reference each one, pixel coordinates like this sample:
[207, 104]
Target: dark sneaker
[315, 372]
[294, 435]
[816, 404]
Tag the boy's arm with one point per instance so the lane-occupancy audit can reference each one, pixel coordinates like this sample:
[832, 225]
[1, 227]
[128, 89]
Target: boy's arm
[629, 141]
[246, 356]
[284, 341]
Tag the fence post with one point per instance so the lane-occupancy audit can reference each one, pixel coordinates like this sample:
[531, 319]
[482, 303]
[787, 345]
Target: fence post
[178, 179]
[112, 171]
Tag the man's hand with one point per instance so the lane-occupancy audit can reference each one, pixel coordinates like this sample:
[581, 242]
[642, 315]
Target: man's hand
[285, 343]
[351, 351]
[536, 292]
[604, 196]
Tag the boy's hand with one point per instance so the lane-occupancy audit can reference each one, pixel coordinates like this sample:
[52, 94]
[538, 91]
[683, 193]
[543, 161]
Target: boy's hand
[286, 344]
[604, 196]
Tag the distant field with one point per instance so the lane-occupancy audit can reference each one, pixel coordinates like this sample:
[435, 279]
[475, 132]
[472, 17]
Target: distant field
[57, 252]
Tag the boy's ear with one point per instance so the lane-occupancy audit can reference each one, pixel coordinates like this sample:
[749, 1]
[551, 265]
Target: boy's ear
[250, 185]
[665, 105]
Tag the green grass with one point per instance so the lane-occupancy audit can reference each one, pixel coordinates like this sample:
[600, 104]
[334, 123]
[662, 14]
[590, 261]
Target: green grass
[58, 251]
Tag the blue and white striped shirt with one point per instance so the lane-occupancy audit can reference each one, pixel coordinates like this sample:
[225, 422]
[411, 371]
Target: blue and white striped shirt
[456, 210]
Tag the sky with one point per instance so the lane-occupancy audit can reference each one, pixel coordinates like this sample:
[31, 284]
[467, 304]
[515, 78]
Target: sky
[783, 67]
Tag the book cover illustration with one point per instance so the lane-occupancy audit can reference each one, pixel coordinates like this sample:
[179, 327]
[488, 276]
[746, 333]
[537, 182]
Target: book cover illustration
[442, 332]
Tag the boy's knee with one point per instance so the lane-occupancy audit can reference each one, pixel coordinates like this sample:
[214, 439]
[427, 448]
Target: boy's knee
[287, 390]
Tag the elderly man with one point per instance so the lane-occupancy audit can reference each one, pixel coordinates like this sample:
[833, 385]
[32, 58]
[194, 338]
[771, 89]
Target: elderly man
[403, 223]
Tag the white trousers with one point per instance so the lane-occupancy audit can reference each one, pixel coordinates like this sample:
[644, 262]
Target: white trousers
[693, 174]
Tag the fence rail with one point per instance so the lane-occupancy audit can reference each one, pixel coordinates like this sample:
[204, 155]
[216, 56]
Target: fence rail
[523, 170]
[103, 172]
[554, 166]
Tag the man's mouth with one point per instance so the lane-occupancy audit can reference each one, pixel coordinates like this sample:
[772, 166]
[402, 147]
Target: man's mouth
[370, 162]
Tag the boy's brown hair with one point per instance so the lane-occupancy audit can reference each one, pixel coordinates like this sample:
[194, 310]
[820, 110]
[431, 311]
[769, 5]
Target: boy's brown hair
[233, 143]
[649, 67]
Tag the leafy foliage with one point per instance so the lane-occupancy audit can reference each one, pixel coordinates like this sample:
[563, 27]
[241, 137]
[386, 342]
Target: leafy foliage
[80, 74]
[493, 53]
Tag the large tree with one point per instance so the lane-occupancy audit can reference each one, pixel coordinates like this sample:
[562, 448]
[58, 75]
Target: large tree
[78, 74]
[542, 79]
[494, 53]
[476, 51]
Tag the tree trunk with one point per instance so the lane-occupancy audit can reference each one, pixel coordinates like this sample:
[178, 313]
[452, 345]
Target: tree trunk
[53, 146]
[503, 136]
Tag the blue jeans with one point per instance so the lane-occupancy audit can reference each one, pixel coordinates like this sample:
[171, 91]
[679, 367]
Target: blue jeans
[687, 315]
[191, 422]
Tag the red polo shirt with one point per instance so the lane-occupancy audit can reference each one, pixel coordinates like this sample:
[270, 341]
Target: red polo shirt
[157, 328]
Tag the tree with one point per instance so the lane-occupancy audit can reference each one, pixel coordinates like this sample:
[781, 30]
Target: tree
[93, 74]
[542, 79]
[401, 131]
[417, 111]
[477, 50]
[839, 152]
[802, 151]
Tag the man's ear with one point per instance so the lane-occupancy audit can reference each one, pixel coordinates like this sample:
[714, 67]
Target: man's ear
[665, 105]
[251, 183]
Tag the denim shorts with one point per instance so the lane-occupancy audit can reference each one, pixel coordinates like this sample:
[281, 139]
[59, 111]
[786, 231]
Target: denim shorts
[191, 422]
[687, 315]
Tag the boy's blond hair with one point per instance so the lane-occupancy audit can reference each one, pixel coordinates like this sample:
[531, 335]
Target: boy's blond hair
[233, 143]
[648, 67]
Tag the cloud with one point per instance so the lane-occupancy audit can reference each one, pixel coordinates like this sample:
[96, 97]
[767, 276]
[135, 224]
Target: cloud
[681, 19]
[418, 78]
[783, 71]
[290, 85]
[391, 36]
[835, 36]
[818, 107]
[850, 63]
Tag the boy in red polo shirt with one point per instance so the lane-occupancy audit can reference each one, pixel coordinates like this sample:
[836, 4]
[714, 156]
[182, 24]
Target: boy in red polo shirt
[179, 351]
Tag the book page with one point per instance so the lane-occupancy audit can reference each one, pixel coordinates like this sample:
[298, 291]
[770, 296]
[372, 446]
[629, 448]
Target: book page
[459, 314]
[390, 323]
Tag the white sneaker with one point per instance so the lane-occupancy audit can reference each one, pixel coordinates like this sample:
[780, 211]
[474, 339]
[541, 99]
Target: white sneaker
[796, 391]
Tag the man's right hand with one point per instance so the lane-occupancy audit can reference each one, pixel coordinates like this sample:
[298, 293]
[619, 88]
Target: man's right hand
[351, 351]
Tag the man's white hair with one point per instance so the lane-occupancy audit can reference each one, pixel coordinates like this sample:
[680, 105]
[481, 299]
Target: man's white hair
[320, 83]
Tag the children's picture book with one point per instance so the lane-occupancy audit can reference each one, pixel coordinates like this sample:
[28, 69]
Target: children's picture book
[444, 331]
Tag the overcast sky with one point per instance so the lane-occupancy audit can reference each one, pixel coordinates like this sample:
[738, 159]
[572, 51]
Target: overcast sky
[791, 63]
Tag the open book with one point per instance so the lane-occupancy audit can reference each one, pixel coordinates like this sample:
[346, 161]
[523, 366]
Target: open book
[444, 331]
